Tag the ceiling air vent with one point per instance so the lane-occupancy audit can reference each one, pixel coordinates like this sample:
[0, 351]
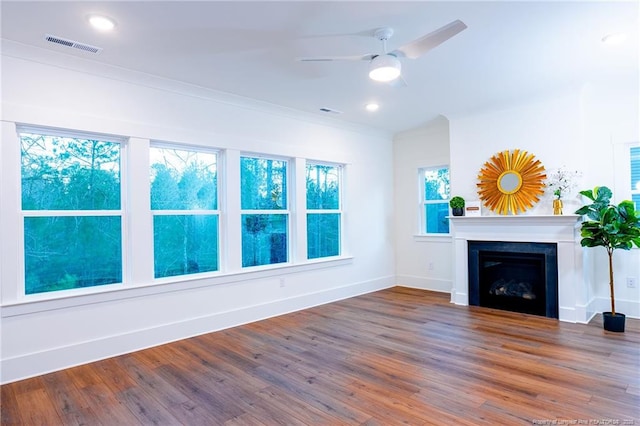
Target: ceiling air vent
[70, 43]
[330, 111]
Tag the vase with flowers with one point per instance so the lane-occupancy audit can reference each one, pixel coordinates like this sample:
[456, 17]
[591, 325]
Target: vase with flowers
[560, 183]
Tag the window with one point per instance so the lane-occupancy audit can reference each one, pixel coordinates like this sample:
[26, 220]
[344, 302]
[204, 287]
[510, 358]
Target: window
[184, 202]
[635, 175]
[101, 212]
[71, 210]
[264, 211]
[434, 189]
[323, 210]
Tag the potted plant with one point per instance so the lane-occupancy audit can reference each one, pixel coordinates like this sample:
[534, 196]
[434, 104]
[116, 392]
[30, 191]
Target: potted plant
[612, 227]
[457, 206]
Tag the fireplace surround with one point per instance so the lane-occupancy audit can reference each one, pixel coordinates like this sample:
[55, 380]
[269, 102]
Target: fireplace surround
[561, 230]
[514, 276]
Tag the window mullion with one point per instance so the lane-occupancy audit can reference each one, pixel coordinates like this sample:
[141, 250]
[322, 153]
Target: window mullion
[232, 232]
[299, 217]
[139, 238]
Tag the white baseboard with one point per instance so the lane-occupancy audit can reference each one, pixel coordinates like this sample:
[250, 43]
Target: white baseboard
[631, 308]
[424, 283]
[54, 359]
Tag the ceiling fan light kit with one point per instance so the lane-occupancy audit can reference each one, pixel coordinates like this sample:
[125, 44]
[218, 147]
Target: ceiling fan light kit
[384, 68]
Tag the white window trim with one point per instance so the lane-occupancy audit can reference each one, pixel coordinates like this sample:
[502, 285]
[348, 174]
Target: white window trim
[186, 212]
[20, 290]
[289, 179]
[137, 228]
[422, 219]
[340, 169]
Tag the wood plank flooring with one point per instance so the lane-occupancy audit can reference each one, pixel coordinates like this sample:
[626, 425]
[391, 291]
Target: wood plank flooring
[398, 356]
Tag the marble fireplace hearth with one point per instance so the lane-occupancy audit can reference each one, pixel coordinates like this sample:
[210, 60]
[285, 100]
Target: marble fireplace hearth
[562, 230]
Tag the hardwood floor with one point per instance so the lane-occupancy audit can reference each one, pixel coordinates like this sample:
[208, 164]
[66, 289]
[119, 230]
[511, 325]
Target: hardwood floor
[397, 356]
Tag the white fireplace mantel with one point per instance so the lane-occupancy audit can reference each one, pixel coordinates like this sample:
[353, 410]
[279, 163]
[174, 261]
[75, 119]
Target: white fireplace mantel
[563, 230]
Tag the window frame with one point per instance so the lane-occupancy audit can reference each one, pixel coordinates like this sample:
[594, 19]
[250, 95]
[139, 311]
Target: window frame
[136, 233]
[187, 212]
[23, 214]
[286, 212]
[339, 211]
[423, 202]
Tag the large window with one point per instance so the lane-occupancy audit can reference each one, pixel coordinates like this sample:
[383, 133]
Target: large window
[184, 202]
[100, 212]
[71, 209]
[323, 210]
[635, 175]
[434, 188]
[264, 211]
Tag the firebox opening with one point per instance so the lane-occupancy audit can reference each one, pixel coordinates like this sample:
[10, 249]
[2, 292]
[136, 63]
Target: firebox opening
[518, 277]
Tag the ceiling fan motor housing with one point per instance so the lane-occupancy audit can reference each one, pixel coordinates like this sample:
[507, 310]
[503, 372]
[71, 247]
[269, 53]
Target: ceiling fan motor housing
[384, 34]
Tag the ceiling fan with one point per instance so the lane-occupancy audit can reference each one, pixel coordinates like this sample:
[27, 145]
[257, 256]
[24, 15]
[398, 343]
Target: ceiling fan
[386, 66]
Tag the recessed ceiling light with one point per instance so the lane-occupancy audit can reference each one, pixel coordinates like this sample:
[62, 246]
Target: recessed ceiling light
[372, 107]
[614, 39]
[102, 23]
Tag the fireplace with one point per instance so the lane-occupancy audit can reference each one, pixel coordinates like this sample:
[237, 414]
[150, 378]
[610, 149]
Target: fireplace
[574, 296]
[514, 276]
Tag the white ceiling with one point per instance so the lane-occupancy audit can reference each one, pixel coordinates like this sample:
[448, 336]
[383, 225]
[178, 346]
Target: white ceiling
[510, 50]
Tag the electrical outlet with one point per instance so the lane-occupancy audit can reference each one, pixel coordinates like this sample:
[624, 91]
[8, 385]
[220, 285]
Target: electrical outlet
[430, 266]
[281, 282]
[631, 282]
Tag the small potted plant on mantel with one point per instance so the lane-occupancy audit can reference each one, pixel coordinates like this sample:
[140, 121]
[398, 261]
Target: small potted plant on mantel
[457, 206]
[612, 227]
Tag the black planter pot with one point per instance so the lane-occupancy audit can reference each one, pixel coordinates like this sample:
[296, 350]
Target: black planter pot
[457, 211]
[613, 322]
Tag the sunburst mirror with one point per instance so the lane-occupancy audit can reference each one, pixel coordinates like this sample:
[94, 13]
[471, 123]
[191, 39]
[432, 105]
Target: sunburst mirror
[511, 182]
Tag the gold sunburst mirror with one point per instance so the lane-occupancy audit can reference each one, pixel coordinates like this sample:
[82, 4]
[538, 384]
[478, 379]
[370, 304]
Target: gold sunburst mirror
[511, 182]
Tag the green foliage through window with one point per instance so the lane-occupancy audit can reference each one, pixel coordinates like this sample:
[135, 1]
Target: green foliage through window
[263, 184]
[62, 173]
[264, 239]
[323, 235]
[185, 244]
[184, 180]
[65, 252]
[263, 199]
[73, 218]
[436, 200]
[63, 181]
[323, 204]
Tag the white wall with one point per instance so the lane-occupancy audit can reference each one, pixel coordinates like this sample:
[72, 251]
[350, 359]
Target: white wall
[580, 129]
[421, 261]
[611, 122]
[549, 128]
[585, 129]
[42, 336]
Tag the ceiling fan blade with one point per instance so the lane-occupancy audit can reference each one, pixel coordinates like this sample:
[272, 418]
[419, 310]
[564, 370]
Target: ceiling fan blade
[366, 57]
[420, 46]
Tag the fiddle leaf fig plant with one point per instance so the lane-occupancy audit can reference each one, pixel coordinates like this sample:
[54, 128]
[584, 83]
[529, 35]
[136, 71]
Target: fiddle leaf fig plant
[610, 226]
